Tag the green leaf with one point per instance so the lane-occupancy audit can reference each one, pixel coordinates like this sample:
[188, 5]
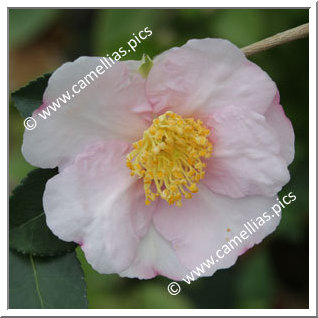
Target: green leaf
[28, 230]
[27, 24]
[46, 282]
[146, 65]
[28, 98]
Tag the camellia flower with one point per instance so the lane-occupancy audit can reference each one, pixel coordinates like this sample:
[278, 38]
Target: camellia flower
[156, 173]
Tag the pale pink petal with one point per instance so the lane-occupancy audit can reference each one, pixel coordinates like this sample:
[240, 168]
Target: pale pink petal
[113, 106]
[206, 74]
[246, 157]
[206, 222]
[276, 118]
[94, 201]
[155, 256]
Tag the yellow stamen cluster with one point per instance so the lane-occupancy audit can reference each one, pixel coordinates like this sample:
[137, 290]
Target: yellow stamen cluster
[168, 157]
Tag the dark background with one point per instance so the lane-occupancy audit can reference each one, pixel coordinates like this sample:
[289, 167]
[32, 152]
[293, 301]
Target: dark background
[271, 275]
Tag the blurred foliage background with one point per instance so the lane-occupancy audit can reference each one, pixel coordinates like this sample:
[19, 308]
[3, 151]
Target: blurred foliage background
[271, 275]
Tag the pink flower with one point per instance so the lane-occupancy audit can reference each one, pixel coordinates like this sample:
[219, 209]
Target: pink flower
[231, 159]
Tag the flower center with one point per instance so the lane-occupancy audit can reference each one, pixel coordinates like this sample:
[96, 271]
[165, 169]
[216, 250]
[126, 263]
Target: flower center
[168, 157]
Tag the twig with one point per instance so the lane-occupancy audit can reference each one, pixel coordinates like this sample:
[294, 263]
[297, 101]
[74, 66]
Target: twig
[299, 32]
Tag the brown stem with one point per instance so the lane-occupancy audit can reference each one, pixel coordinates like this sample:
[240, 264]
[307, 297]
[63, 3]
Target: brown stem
[299, 32]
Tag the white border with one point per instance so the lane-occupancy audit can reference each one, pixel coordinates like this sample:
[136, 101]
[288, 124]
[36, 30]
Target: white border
[312, 158]
[162, 4]
[312, 165]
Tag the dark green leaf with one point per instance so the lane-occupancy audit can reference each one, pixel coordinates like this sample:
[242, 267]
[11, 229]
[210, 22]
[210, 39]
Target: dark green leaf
[46, 282]
[28, 98]
[28, 230]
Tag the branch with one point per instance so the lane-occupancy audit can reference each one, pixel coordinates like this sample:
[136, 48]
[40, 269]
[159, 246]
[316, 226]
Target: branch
[299, 32]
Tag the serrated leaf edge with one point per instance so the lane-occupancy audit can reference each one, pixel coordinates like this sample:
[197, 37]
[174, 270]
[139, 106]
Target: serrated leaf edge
[31, 82]
[25, 252]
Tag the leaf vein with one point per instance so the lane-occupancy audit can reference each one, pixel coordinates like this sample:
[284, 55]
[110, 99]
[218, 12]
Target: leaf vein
[36, 281]
[30, 221]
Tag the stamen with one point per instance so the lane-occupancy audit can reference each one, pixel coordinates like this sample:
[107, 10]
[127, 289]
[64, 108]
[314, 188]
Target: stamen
[168, 157]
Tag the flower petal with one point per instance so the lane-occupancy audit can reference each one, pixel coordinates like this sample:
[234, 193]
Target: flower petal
[113, 106]
[206, 74]
[276, 118]
[94, 201]
[246, 158]
[205, 223]
[155, 256]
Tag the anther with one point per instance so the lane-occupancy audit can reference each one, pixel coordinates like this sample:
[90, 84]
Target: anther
[168, 158]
